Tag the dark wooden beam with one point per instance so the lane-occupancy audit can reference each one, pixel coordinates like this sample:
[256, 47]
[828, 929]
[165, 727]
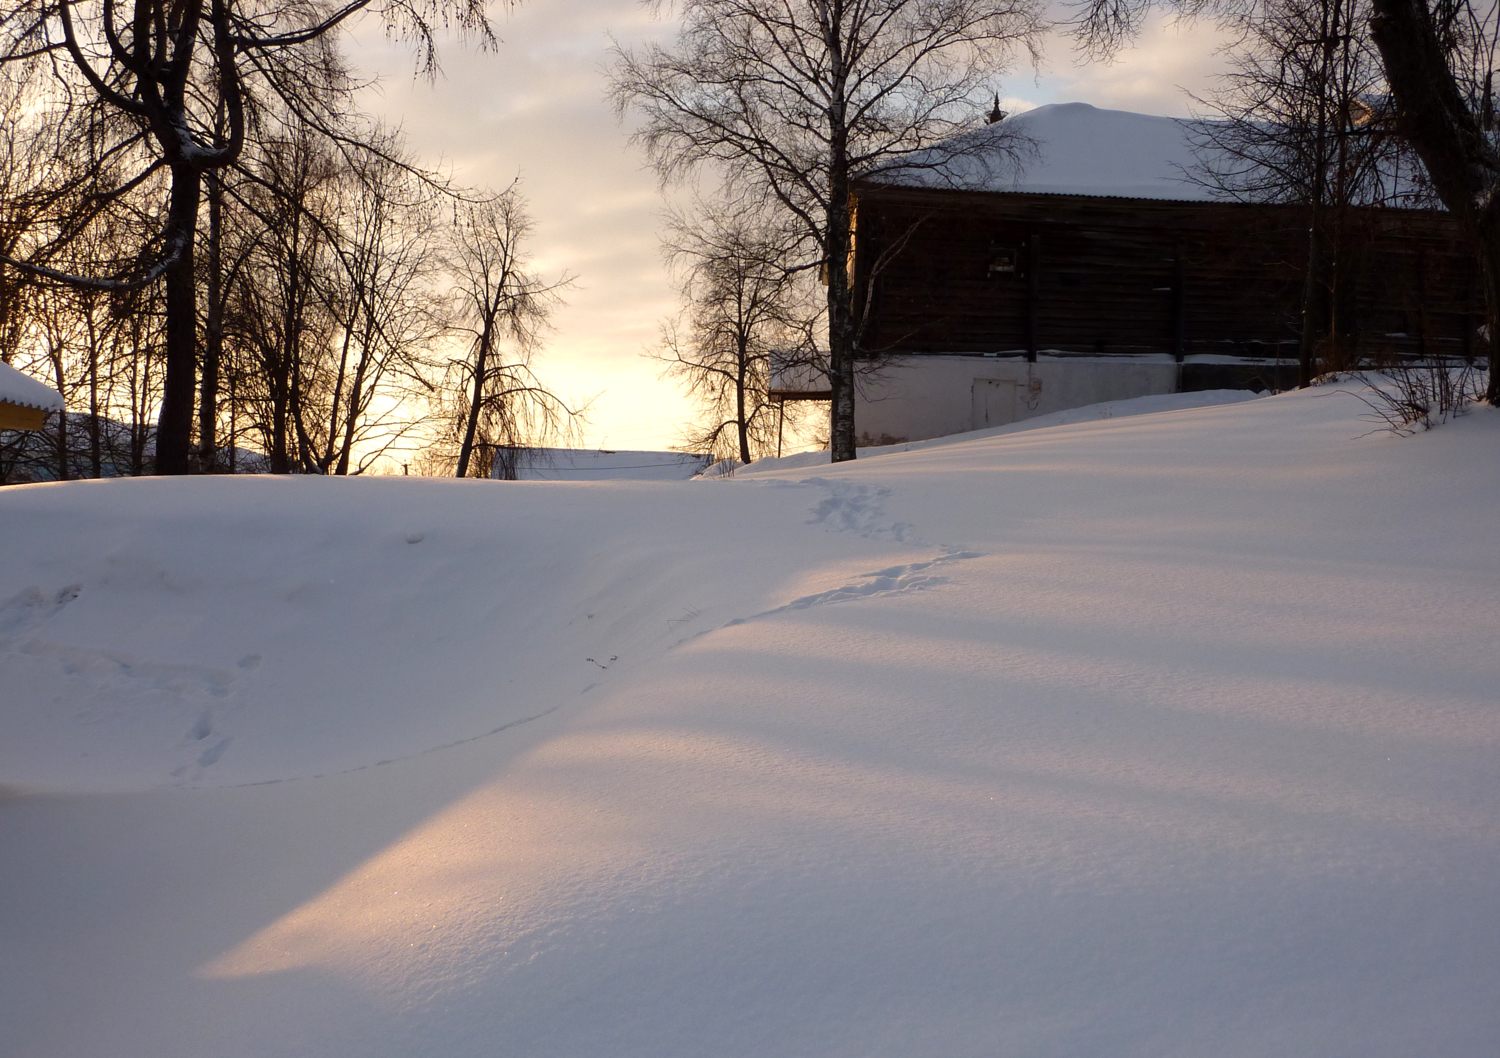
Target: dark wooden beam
[1179, 308]
[1033, 295]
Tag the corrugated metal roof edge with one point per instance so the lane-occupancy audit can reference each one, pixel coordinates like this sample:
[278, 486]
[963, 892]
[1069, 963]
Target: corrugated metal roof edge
[860, 182]
[52, 402]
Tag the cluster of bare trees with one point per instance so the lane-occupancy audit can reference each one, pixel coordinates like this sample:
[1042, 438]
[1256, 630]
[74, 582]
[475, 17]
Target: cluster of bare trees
[787, 102]
[1302, 118]
[1327, 96]
[748, 316]
[1330, 104]
[195, 219]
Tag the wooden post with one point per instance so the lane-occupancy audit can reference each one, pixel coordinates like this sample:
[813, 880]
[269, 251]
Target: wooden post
[1033, 296]
[1424, 346]
[1179, 309]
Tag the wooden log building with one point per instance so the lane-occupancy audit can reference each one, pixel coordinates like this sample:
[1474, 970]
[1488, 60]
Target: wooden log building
[1098, 253]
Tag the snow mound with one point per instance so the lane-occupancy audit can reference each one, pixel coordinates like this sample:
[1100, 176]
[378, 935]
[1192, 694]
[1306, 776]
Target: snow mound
[1174, 734]
[225, 631]
[1113, 409]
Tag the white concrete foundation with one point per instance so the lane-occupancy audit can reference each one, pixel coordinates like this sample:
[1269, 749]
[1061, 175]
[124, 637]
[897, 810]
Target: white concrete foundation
[913, 398]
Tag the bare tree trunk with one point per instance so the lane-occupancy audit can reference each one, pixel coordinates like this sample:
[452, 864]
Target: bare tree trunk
[356, 396]
[1489, 259]
[56, 356]
[96, 459]
[1461, 162]
[840, 320]
[284, 359]
[739, 398]
[481, 364]
[213, 331]
[1313, 283]
[234, 422]
[140, 365]
[307, 454]
[1307, 342]
[326, 459]
[174, 428]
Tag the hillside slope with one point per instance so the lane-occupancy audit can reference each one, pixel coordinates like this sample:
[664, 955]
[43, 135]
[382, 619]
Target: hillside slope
[1166, 735]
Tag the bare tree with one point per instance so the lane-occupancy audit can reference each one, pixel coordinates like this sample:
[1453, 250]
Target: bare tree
[1439, 58]
[178, 84]
[99, 352]
[792, 100]
[744, 316]
[98, 349]
[1298, 119]
[490, 396]
[278, 311]
[385, 309]
[40, 182]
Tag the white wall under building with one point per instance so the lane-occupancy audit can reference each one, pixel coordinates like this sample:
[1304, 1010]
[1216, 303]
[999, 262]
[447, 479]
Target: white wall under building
[913, 398]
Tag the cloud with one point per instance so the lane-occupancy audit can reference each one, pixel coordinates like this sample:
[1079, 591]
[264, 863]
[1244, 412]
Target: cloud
[1173, 60]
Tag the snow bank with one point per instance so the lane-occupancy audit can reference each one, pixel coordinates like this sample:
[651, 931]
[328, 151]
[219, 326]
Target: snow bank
[1173, 734]
[1110, 409]
[224, 631]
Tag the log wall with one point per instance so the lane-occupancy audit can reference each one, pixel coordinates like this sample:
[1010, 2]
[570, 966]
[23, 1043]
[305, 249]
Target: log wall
[991, 272]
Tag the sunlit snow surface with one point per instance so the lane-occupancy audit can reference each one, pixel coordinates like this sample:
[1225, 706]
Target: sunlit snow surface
[1165, 735]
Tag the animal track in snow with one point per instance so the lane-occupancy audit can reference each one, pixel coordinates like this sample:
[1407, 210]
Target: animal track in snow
[108, 668]
[202, 729]
[28, 610]
[101, 687]
[894, 580]
[854, 508]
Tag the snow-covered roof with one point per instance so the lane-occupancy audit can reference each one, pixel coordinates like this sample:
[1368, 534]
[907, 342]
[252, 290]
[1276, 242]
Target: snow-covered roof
[22, 389]
[799, 380]
[576, 464]
[1068, 149]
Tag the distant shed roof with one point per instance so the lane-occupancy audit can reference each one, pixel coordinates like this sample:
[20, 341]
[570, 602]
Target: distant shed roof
[575, 464]
[26, 392]
[1069, 149]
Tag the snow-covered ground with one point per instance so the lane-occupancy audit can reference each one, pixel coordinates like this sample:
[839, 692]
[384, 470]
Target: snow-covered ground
[1110, 409]
[1165, 735]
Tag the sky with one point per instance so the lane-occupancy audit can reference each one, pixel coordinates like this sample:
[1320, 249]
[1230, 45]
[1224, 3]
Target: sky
[533, 109]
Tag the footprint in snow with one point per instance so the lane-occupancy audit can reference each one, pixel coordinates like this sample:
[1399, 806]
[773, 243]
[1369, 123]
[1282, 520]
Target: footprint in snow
[29, 609]
[853, 508]
[894, 580]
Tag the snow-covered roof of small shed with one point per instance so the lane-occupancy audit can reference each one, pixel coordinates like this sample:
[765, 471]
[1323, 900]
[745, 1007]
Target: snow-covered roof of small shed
[578, 464]
[22, 389]
[1066, 149]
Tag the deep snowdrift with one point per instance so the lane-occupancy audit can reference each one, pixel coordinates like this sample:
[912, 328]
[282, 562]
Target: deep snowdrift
[1165, 735]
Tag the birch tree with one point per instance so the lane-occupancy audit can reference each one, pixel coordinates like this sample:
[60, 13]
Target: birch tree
[791, 101]
[744, 315]
[1438, 58]
[1298, 120]
[490, 395]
